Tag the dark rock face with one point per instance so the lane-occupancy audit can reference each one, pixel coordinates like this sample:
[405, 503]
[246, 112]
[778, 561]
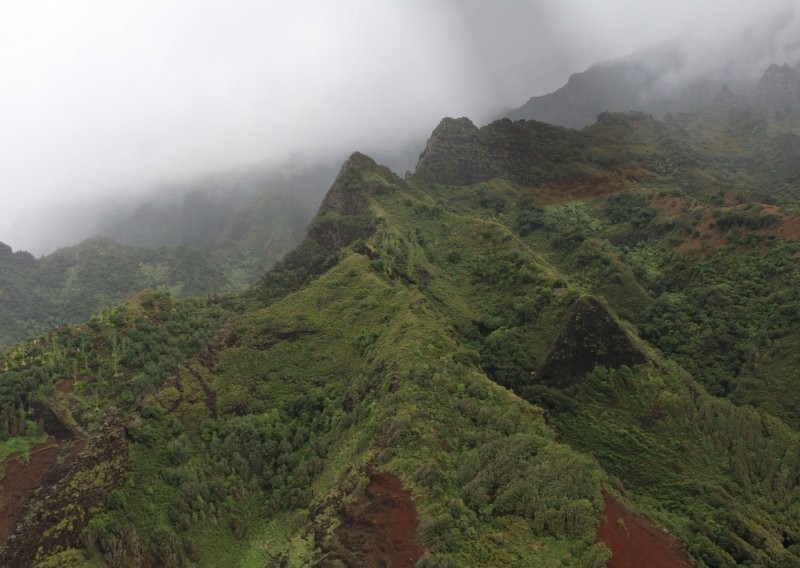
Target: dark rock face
[459, 153]
[786, 156]
[779, 89]
[21, 258]
[359, 178]
[453, 154]
[591, 337]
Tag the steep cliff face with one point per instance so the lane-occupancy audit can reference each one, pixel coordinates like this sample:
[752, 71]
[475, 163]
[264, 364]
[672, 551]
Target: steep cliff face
[591, 337]
[344, 217]
[453, 154]
[19, 258]
[779, 88]
[459, 153]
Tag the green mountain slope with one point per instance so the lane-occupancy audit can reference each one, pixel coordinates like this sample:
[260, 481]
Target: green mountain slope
[479, 351]
[204, 246]
[245, 225]
[73, 283]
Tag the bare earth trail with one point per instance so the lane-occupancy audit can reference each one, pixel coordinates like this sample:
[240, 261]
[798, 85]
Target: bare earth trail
[636, 542]
[380, 530]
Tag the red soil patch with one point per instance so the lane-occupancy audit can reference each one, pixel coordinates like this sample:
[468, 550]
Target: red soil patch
[709, 236]
[380, 529]
[19, 481]
[790, 224]
[579, 187]
[66, 386]
[790, 228]
[635, 541]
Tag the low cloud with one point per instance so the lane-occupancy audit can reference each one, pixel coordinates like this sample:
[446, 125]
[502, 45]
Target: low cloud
[98, 97]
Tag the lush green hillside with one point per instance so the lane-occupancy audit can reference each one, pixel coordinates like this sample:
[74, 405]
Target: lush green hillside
[203, 245]
[73, 283]
[477, 351]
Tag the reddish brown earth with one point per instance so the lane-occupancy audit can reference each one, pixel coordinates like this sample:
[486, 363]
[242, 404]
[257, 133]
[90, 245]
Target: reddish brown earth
[19, 481]
[588, 186]
[636, 542]
[380, 529]
[48, 461]
[790, 227]
[66, 386]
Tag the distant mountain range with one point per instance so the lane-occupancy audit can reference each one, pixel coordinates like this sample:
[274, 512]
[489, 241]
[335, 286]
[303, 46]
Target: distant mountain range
[218, 236]
[654, 81]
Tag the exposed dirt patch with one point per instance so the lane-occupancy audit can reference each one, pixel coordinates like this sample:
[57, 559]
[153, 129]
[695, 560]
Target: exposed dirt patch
[19, 481]
[52, 515]
[591, 337]
[380, 529]
[708, 235]
[582, 187]
[635, 541]
[790, 227]
[66, 386]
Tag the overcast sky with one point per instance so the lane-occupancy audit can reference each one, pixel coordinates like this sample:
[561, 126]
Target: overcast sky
[100, 96]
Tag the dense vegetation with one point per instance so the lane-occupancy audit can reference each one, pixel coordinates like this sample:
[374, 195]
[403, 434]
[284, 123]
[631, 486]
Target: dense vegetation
[202, 245]
[508, 336]
[73, 283]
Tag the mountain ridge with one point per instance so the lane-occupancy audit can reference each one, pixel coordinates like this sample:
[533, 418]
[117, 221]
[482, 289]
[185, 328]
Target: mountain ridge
[415, 351]
[652, 82]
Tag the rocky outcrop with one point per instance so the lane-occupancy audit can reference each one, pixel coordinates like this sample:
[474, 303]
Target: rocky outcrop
[453, 154]
[344, 217]
[779, 89]
[526, 152]
[21, 258]
[359, 178]
[591, 337]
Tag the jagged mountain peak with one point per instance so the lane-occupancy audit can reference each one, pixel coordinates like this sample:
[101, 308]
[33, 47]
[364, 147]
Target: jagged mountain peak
[779, 88]
[359, 177]
[460, 153]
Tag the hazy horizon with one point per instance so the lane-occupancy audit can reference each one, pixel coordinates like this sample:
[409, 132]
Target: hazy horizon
[100, 100]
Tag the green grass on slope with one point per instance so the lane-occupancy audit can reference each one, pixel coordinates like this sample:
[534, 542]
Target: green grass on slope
[72, 284]
[365, 378]
[248, 450]
[721, 477]
[394, 339]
